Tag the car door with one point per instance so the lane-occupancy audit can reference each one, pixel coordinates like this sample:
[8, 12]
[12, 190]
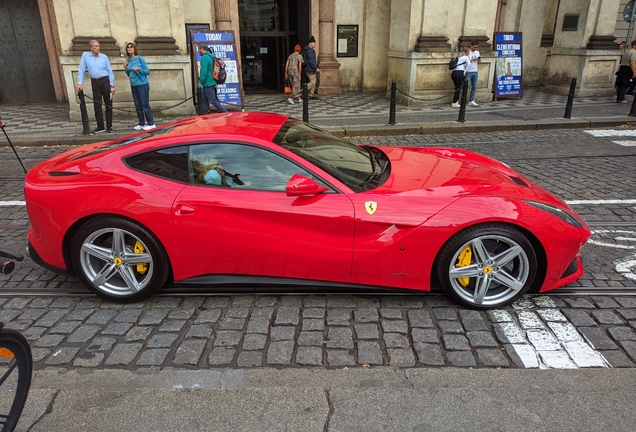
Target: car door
[236, 218]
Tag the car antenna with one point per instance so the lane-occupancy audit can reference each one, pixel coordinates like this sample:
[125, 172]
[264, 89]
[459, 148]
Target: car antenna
[11, 144]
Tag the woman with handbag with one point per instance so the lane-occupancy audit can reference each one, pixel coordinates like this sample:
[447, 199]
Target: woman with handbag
[459, 75]
[293, 68]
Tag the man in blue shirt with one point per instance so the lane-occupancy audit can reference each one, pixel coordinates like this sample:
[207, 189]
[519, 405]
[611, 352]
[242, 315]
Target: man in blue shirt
[311, 66]
[102, 83]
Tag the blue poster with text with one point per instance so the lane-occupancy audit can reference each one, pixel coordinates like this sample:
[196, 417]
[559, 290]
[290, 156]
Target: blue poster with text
[223, 46]
[508, 65]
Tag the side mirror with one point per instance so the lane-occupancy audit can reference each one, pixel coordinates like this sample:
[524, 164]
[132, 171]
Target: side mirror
[300, 185]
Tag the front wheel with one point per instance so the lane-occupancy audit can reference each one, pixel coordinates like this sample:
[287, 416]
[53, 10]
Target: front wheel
[118, 259]
[487, 266]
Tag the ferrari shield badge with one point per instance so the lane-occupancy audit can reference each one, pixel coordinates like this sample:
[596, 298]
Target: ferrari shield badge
[371, 206]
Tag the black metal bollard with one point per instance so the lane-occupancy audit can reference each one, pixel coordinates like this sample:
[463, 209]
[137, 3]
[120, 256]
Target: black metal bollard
[568, 107]
[201, 110]
[86, 126]
[462, 108]
[305, 103]
[392, 108]
[632, 112]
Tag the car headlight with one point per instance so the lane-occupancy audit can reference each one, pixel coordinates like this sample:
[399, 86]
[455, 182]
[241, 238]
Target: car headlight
[560, 213]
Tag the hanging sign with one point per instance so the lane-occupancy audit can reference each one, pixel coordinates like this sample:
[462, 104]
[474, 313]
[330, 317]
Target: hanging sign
[508, 65]
[223, 45]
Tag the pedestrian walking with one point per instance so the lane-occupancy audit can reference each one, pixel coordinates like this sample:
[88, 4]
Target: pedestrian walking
[102, 84]
[137, 71]
[293, 69]
[626, 74]
[459, 75]
[472, 70]
[206, 81]
[311, 66]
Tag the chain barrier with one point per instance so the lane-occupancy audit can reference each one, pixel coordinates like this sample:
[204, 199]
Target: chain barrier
[354, 106]
[431, 99]
[135, 112]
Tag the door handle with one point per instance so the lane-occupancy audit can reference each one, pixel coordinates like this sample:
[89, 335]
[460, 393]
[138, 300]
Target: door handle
[184, 210]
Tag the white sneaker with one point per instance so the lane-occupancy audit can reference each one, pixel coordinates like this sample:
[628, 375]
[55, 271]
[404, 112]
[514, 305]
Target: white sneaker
[473, 103]
[290, 101]
[148, 127]
[455, 105]
[138, 127]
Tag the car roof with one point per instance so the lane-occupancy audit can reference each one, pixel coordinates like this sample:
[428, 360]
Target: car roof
[253, 124]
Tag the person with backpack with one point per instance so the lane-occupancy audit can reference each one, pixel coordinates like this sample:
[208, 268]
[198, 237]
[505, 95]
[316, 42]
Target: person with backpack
[459, 75]
[137, 70]
[206, 81]
[311, 66]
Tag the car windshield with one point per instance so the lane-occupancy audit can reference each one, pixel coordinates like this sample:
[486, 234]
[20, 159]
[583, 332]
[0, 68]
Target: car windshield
[349, 163]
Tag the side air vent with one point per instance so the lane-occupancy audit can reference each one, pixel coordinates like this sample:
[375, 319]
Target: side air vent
[62, 173]
[519, 181]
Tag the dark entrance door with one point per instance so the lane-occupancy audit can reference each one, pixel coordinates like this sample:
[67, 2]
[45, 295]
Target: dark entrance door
[25, 74]
[269, 31]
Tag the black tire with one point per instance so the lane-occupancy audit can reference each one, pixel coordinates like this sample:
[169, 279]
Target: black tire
[22, 365]
[499, 267]
[109, 255]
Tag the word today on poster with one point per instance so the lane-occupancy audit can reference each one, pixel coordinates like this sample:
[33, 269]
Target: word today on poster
[508, 65]
[223, 45]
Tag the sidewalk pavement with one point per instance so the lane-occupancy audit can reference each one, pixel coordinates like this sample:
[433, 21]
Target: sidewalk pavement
[347, 114]
[357, 399]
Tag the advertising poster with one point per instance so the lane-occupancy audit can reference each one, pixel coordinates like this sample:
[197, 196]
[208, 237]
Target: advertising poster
[508, 65]
[223, 45]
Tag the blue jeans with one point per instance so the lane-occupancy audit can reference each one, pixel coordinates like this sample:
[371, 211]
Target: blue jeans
[141, 96]
[472, 82]
[209, 97]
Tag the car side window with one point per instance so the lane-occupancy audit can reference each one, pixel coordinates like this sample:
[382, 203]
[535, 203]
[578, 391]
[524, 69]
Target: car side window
[170, 163]
[240, 166]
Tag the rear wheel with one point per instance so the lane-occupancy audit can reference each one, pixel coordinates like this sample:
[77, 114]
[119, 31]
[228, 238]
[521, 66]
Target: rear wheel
[487, 266]
[118, 259]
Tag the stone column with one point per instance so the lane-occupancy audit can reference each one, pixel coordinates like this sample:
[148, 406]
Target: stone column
[222, 11]
[328, 76]
[584, 48]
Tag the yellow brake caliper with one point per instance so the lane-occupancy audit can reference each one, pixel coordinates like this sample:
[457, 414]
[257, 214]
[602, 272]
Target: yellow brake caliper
[139, 249]
[464, 259]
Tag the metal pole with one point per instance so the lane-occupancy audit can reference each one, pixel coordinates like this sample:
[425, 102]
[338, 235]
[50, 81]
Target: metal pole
[305, 103]
[201, 110]
[632, 112]
[86, 127]
[568, 107]
[462, 107]
[13, 148]
[392, 107]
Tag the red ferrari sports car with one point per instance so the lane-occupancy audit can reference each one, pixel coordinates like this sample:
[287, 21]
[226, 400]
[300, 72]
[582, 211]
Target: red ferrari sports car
[264, 198]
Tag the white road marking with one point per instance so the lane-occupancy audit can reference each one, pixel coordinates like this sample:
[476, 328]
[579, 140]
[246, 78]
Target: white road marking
[627, 267]
[527, 354]
[601, 202]
[619, 237]
[12, 203]
[626, 143]
[544, 337]
[600, 133]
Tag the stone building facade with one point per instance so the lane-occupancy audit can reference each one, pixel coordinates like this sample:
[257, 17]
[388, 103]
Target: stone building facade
[409, 41]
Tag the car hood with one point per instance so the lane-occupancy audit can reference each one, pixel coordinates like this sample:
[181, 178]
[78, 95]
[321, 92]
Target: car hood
[446, 172]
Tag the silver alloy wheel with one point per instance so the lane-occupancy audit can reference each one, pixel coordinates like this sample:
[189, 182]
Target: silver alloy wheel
[109, 262]
[498, 270]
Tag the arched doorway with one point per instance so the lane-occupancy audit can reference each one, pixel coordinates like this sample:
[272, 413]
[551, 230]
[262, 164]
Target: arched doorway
[268, 32]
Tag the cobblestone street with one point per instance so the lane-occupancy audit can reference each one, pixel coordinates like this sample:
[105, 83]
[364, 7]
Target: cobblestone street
[587, 329]
[330, 331]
